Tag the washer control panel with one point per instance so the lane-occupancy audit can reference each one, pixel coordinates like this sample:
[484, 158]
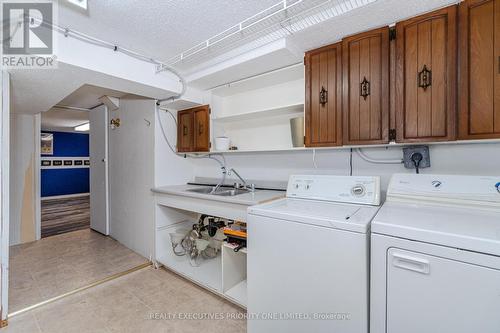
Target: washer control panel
[348, 189]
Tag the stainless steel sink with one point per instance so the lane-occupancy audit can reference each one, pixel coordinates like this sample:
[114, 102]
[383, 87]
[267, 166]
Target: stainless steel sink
[230, 193]
[202, 190]
[222, 192]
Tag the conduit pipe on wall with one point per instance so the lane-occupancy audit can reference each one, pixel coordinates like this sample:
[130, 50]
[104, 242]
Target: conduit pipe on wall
[377, 161]
[160, 66]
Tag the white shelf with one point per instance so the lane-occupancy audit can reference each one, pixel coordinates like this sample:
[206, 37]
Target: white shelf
[209, 273]
[286, 110]
[238, 293]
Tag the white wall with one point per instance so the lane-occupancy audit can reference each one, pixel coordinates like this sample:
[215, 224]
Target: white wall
[170, 169]
[24, 138]
[467, 159]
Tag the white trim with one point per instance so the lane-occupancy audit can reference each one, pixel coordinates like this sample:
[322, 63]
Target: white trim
[66, 158]
[4, 195]
[106, 166]
[37, 176]
[66, 196]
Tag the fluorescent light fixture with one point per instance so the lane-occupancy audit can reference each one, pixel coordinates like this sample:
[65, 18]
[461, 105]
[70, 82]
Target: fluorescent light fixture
[79, 3]
[83, 127]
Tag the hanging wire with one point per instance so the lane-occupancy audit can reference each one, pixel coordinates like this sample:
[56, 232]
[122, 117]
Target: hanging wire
[160, 66]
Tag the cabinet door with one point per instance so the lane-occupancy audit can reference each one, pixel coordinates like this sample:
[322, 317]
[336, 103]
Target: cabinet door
[202, 128]
[366, 87]
[479, 69]
[185, 131]
[426, 77]
[323, 104]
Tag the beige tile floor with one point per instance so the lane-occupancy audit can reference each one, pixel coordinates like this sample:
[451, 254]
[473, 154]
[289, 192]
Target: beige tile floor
[127, 305]
[55, 265]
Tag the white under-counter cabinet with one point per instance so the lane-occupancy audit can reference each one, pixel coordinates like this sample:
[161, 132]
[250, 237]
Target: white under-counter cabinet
[179, 211]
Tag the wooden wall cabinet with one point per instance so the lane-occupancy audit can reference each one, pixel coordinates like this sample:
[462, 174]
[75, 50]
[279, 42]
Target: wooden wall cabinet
[479, 69]
[366, 87]
[426, 48]
[193, 129]
[323, 103]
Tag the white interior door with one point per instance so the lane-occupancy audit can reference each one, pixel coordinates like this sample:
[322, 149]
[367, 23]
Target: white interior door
[99, 219]
[131, 176]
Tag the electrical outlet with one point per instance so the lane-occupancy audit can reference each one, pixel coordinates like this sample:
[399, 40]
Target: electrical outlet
[408, 153]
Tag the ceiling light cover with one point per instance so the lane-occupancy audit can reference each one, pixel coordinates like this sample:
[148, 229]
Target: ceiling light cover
[83, 127]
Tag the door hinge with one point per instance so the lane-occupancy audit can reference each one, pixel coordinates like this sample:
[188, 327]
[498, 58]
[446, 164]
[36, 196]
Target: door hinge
[392, 134]
[392, 33]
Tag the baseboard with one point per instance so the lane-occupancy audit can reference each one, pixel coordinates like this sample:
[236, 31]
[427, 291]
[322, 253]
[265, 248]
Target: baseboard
[67, 196]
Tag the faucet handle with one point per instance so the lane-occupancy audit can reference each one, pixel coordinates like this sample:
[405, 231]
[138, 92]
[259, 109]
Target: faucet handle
[252, 187]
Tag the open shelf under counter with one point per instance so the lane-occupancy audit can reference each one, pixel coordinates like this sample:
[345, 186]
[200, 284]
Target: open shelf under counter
[208, 274]
[238, 293]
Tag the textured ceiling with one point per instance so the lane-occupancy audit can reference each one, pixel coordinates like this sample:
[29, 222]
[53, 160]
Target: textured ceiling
[158, 28]
[59, 119]
[87, 96]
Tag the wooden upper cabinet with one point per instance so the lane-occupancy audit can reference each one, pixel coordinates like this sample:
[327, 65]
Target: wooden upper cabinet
[323, 103]
[366, 87]
[426, 77]
[193, 129]
[479, 69]
[202, 128]
[185, 131]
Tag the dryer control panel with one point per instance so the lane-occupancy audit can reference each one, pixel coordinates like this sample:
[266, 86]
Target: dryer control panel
[468, 190]
[348, 189]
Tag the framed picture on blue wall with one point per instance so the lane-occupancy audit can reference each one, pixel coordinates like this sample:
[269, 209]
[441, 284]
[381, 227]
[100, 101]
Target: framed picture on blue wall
[47, 144]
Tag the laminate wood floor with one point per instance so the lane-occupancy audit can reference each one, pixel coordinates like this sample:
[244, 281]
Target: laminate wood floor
[64, 215]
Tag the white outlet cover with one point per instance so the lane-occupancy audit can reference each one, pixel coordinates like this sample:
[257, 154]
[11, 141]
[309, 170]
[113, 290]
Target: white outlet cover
[79, 3]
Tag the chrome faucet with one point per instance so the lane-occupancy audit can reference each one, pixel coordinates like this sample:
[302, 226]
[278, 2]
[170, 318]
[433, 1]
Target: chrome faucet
[247, 187]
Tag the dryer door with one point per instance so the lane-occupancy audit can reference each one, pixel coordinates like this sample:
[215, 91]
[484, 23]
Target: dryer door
[434, 295]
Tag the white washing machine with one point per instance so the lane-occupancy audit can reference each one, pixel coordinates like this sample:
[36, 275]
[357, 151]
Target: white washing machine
[435, 256]
[308, 256]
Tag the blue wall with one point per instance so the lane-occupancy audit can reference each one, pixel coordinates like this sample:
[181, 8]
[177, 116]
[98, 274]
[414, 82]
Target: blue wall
[67, 180]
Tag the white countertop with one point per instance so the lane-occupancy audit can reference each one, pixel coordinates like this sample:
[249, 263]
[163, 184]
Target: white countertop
[247, 199]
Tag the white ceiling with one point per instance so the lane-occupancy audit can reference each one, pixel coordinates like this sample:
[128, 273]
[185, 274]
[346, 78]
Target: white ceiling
[63, 120]
[87, 96]
[159, 28]
[164, 28]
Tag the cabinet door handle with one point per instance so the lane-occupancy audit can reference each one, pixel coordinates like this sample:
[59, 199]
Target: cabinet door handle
[425, 78]
[411, 263]
[364, 89]
[200, 128]
[184, 130]
[323, 96]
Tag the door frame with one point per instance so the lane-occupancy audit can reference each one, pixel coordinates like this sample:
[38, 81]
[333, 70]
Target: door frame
[106, 163]
[4, 195]
[37, 178]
